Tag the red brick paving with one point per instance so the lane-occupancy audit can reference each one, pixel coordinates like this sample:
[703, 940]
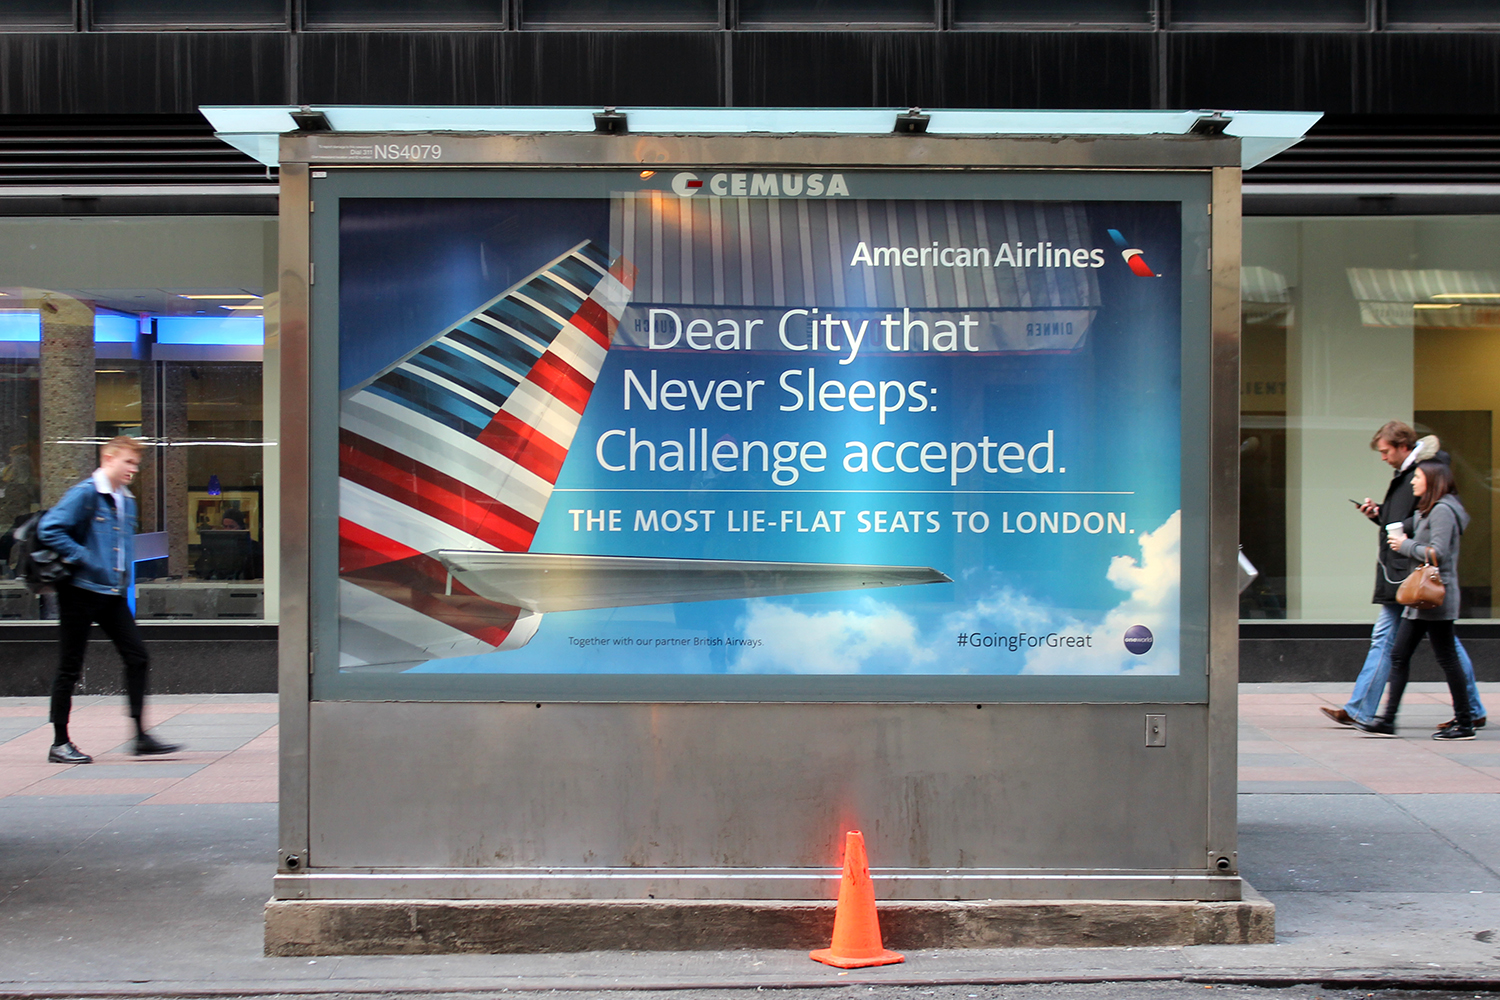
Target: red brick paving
[1285, 721]
[244, 775]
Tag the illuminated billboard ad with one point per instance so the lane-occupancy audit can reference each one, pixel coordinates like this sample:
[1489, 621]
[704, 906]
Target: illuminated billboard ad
[739, 423]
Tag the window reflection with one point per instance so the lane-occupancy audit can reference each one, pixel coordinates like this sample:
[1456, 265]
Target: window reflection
[1349, 13]
[357, 12]
[37, 13]
[1348, 323]
[177, 361]
[192, 13]
[909, 12]
[1405, 12]
[1082, 12]
[556, 13]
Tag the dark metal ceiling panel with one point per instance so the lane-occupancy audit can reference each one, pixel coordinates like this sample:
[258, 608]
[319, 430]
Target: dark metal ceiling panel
[1390, 150]
[88, 150]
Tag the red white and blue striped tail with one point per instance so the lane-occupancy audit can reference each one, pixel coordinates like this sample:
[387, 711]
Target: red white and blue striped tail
[458, 446]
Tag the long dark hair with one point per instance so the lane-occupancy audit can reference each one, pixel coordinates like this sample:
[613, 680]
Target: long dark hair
[1439, 483]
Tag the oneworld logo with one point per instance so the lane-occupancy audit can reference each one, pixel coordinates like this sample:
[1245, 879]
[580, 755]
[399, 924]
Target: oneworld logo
[1138, 639]
[748, 185]
[1135, 259]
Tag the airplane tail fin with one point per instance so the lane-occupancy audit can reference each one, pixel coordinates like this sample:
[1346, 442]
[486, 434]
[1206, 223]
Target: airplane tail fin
[459, 444]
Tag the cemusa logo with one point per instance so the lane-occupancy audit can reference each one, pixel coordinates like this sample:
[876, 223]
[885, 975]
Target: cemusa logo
[686, 185]
[1133, 257]
[748, 185]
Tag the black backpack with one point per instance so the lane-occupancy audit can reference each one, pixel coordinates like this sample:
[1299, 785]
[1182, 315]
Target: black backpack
[39, 567]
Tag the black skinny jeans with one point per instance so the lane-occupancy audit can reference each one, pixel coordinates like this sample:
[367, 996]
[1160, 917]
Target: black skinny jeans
[78, 610]
[1408, 637]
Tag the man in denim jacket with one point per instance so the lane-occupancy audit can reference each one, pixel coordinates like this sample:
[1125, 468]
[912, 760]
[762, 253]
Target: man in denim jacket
[92, 529]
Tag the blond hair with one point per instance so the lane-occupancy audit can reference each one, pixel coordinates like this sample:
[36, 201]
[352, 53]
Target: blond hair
[121, 443]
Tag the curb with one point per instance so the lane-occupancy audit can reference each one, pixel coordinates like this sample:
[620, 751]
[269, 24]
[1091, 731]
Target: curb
[1279, 979]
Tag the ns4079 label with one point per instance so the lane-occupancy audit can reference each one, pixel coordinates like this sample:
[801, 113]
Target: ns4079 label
[414, 151]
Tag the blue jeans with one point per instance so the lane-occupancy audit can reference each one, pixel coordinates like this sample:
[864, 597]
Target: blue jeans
[1364, 703]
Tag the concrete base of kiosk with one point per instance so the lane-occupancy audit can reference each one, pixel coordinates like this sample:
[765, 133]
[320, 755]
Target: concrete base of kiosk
[438, 927]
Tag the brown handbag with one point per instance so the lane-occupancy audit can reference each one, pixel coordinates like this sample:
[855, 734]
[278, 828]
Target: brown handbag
[1423, 589]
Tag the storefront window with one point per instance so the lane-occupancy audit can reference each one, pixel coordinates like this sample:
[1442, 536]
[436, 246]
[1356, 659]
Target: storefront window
[1349, 323]
[155, 328]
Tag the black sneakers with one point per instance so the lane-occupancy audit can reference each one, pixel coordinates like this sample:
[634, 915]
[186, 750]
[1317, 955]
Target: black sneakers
[1453, 731]
[1376, 727]
[67, 753]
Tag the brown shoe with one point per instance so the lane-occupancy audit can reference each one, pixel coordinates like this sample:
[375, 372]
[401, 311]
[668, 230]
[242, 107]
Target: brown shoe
[1478, 723]
[1337, 715]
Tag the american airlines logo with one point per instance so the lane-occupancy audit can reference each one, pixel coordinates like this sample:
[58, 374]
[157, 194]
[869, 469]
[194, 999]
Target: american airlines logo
[1134, 258]
[748, 185]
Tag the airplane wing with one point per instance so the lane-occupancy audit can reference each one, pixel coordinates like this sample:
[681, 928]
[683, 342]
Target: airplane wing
[541, 582]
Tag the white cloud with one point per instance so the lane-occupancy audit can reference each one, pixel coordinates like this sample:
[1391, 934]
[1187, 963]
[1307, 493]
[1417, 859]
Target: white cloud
[875, 638]
[1153, 586]
[879, 638]
[1003, 610]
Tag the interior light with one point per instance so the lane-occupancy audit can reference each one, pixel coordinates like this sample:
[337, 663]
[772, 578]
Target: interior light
[1467, 295]
[1437, 305]
[216, 330]
[644, 174]
[245, 307]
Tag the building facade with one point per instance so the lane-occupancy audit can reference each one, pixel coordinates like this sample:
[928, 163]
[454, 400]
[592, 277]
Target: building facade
[138, 252]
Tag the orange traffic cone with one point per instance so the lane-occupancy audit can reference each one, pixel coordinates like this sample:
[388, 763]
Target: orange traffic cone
[856, 929]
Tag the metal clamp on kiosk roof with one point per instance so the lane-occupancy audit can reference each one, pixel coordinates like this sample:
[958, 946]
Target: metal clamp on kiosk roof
[912, 123]
[610, 122]
[309, 120]
[1213, 123]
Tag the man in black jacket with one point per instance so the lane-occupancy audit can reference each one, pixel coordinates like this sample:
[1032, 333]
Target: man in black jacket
[1399, 448]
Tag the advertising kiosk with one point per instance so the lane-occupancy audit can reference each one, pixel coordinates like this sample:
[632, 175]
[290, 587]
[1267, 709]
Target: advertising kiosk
[667, 492]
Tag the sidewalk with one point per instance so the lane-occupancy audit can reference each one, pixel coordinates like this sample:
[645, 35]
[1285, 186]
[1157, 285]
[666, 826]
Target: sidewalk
[148, 876]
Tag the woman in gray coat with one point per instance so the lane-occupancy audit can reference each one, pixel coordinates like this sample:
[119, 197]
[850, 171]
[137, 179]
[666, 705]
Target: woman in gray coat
[1439, 524]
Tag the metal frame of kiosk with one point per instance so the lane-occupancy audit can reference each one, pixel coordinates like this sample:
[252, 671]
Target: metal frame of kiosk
[965, 796]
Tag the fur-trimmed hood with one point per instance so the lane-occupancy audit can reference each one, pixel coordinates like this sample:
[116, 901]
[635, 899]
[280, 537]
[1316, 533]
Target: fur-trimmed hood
[1427, 447]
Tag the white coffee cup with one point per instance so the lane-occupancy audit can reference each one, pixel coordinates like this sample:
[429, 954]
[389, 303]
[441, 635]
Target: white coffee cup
[1395, 530]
